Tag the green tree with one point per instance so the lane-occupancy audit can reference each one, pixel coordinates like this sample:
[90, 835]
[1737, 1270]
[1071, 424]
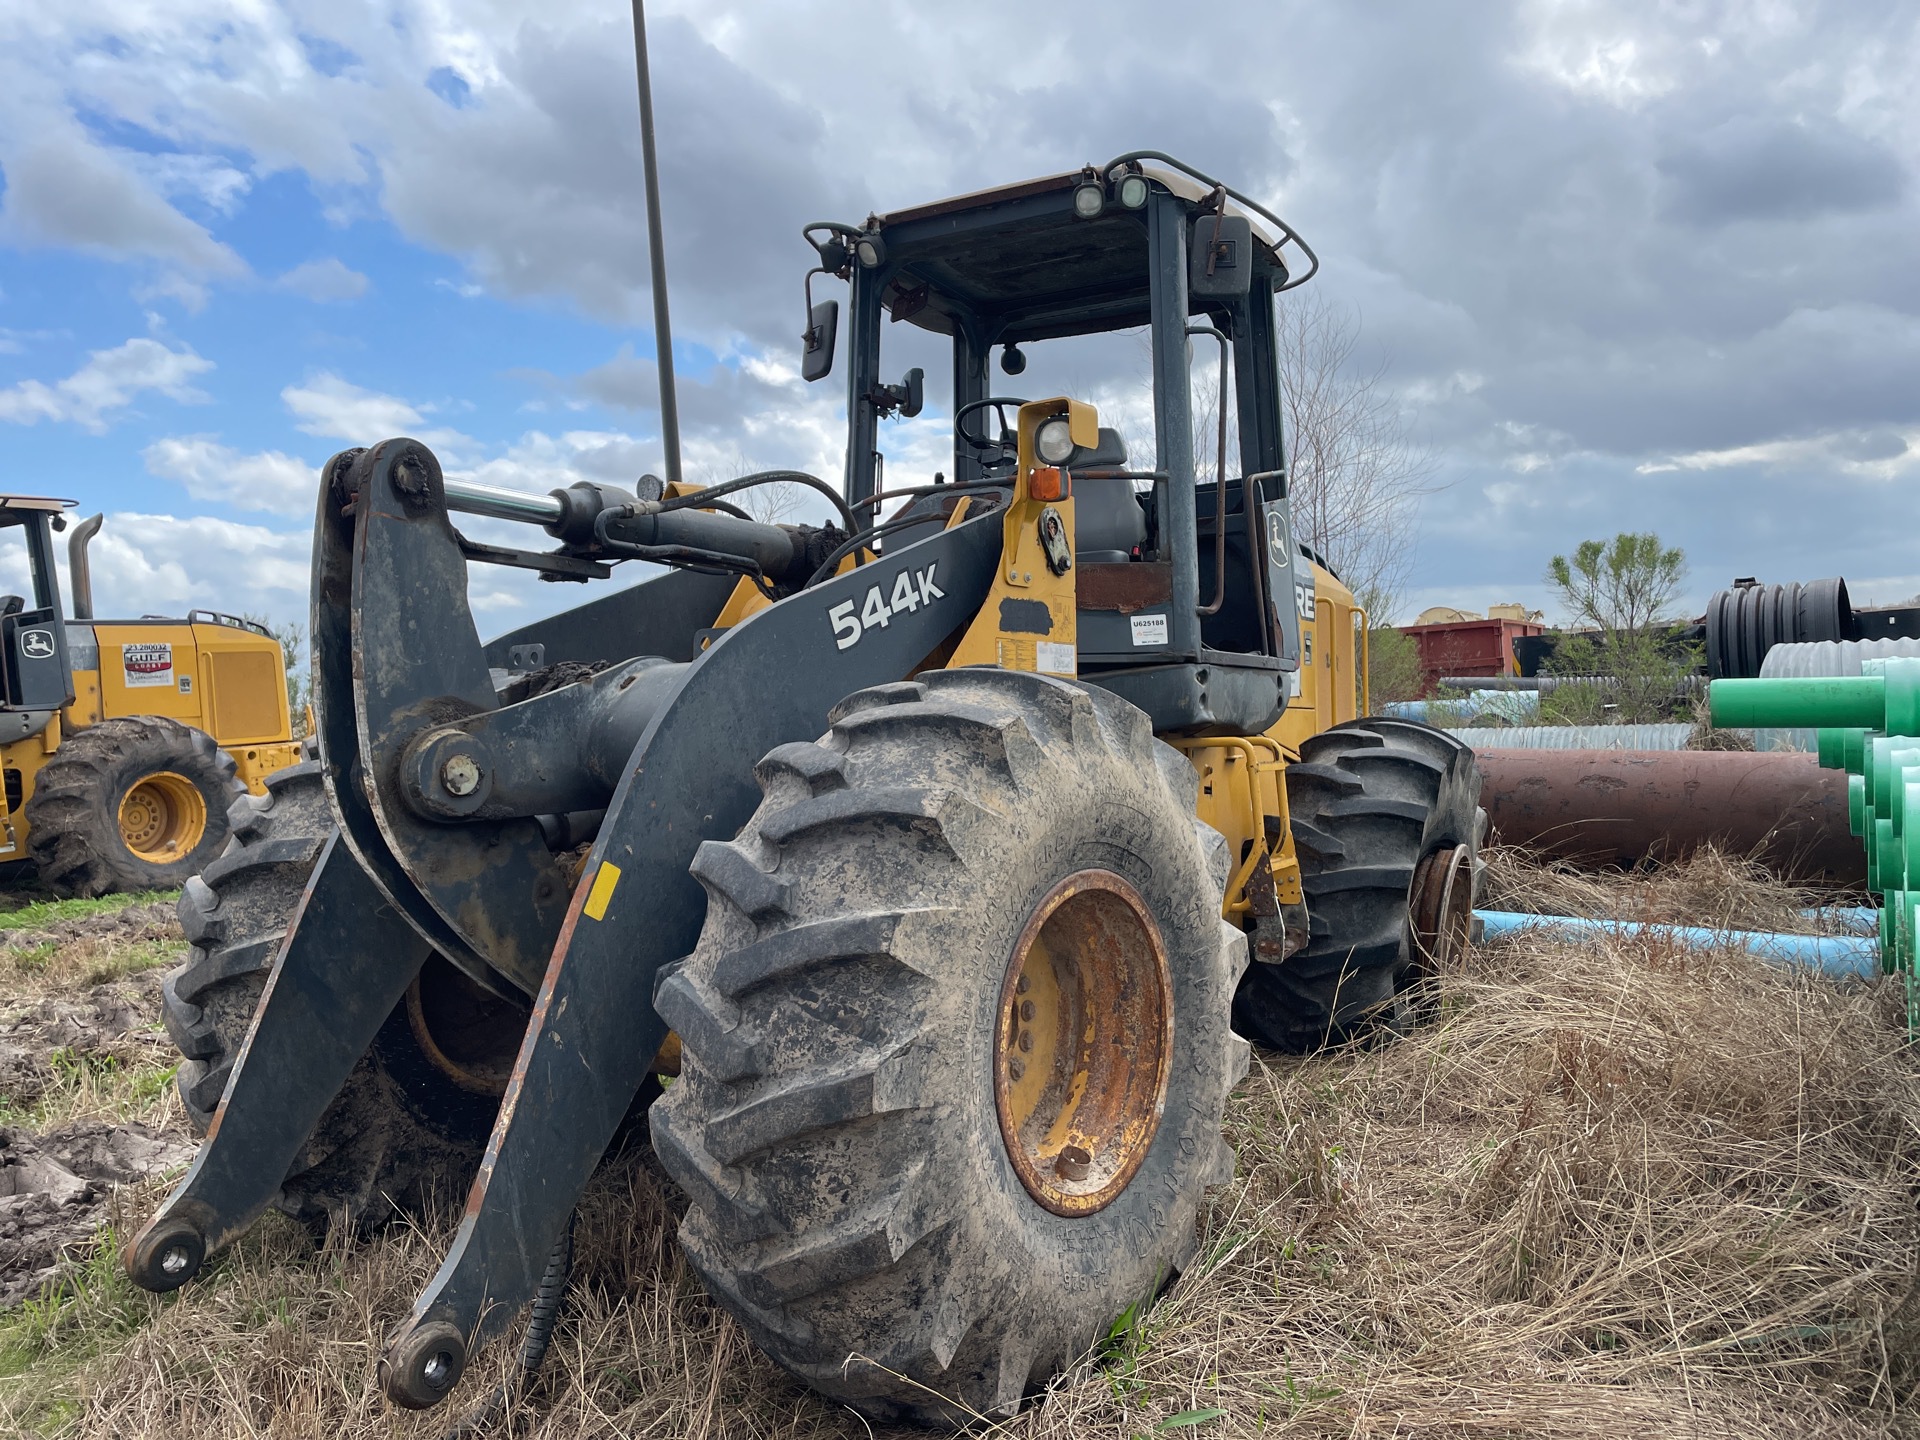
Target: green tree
[1618, 586]
[1393, 667]
[1618, 596]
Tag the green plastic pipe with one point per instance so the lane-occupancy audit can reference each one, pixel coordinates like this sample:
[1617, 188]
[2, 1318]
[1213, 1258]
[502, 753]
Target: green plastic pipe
[1837, 702]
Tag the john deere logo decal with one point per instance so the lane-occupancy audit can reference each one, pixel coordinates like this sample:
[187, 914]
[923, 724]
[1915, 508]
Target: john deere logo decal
[36, 644]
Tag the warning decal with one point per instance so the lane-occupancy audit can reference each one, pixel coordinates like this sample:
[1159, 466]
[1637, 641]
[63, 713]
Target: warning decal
[147, 663]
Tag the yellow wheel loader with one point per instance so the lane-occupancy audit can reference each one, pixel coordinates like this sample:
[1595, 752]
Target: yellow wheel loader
[950, 853]
[123, 743]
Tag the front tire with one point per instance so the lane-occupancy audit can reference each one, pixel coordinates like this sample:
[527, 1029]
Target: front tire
[403, 1137]
[138, 802]
[867, 1197]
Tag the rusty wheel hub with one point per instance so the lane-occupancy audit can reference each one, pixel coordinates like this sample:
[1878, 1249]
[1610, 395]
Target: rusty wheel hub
[470, 1036]
[1084, 1042]
[1441, 907]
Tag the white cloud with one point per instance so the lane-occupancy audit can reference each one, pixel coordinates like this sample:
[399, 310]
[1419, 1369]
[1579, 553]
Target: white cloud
[64, 190]
[152, 564]
[270, 480]
[207, 179]
[108, 381]
[167, 564]
[325, 280]
[337, 409]
[1875, 456]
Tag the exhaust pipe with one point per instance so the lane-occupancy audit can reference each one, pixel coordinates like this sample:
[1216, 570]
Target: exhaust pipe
[77, 566]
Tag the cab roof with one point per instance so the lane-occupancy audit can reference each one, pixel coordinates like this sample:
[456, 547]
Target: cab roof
[1019, 260]
[14, 509]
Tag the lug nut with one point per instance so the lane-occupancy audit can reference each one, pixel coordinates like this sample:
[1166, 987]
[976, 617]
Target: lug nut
[1072, 1163]
[1022, 985]
[1026, 1009]
[1026, 1039]
[460, 775]
[1016, 1067]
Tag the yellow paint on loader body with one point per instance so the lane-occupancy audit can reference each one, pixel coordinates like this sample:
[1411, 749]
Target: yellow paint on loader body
[224, 680]
[1029, 622]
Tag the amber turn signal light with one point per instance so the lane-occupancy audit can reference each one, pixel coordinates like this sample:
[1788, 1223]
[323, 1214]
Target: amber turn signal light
[1047, 482]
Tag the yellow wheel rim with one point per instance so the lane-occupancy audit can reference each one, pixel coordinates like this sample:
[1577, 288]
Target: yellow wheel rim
[1084, 1043]
[163, 817]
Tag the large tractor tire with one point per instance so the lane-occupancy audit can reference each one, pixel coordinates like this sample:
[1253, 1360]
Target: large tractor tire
[406, 1133]
[138, 802]
[956, 1041]
[1387, 828]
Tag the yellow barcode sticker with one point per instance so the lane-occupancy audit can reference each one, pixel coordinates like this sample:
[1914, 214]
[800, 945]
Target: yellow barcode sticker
[602, 891]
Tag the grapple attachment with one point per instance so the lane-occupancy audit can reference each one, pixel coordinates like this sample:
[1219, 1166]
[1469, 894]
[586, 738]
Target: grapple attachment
[452, 806]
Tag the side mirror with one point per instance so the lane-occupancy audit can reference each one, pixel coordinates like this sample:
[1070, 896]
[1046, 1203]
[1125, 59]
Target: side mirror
[905, 399]
[1220, 259]
[823, 327]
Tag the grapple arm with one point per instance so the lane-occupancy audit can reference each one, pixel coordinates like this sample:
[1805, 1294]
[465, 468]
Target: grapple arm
[668, 746]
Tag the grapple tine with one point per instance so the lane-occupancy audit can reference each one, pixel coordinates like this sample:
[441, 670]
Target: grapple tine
[346, 962]
[588, 1044]
[594, 1029]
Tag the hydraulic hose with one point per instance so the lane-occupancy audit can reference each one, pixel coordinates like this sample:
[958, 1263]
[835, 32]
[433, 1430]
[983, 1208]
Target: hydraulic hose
[544, 1315]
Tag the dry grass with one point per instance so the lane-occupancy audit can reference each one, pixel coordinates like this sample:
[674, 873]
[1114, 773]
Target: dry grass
[1616, 1189]
[1711, 889]
[80, 1037]
[54, 948]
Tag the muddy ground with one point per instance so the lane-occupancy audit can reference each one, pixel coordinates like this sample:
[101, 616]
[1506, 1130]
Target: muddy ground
[81, 1052]
[1625, 1188]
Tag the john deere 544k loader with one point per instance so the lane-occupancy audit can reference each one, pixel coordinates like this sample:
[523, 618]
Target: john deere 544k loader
[940, 844]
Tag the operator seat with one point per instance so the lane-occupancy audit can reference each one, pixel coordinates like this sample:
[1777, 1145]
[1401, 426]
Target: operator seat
[1108, 523]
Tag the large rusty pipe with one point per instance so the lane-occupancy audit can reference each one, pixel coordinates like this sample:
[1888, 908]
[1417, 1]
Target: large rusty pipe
[1617, 807]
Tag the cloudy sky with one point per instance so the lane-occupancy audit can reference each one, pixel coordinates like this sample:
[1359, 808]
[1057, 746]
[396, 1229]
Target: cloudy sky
[1644, 266]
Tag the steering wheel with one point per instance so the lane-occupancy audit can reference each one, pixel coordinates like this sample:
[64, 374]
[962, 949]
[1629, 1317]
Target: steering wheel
[980, 444]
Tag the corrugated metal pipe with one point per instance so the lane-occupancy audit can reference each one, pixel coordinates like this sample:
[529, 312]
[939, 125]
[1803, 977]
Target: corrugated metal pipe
[1547, 684]
[1856, 956]
[1820, 659]
[1606, 737]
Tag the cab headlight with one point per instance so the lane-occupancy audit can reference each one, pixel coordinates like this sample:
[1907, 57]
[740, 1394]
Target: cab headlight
[1053, 441]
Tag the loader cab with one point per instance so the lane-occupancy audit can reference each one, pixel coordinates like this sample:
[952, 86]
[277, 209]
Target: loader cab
[1151, 295]
[36, 679]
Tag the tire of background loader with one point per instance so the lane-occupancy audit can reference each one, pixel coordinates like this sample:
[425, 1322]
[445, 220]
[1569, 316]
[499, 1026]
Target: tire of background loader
[401, 1138]
[73, 818]
[1368, 799]
[834, 1123]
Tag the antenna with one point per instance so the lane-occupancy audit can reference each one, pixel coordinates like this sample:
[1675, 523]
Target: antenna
[656, 247]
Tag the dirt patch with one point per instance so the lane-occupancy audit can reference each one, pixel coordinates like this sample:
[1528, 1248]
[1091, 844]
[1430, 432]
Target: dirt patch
[108, 1027]
[54, 1190]
[153, 920]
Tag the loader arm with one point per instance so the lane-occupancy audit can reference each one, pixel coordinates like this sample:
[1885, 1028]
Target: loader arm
[399, 670]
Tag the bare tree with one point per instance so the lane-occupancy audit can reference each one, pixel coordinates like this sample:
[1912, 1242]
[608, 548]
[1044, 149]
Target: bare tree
[1355, 474]
[773, 504]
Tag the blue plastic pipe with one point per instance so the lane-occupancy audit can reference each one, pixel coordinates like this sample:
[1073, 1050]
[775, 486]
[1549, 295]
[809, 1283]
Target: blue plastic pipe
[1835, 955]
[1866, 917]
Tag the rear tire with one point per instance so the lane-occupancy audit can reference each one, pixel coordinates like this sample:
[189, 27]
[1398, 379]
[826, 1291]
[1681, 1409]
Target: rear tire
[402, 1138]
[1369, 800]
[836, 1124]
[78, 817]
